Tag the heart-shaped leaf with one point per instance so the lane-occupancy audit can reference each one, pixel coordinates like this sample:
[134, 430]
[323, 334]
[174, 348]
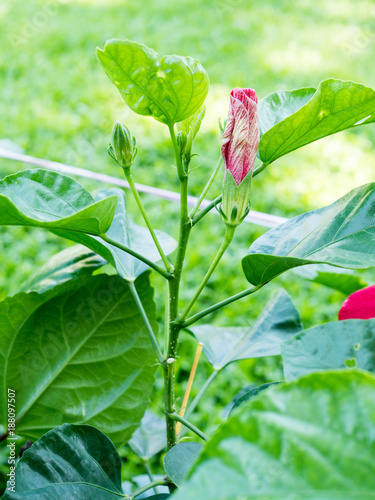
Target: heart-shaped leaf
[278, 321]
[336, 105]
[69, 264]
[124, 231]
[341, 234]
[170, 88]
[343, 344]
[78, 353]
[150, 437]
[179, 459]
[70, 461]
[40, 198]
[312, 438]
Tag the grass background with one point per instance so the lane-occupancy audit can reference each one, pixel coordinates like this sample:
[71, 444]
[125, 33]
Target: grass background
[57, 103]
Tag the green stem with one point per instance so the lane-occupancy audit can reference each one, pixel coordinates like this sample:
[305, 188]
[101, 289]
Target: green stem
[219, 305]
[157, 482]
[202, 435]
[129, 177]
[169, 401]
[154, 342]
[166, 321]
[228, 237]
[137, 255]
[260, 169]
[198, 397]
[207, 209]
[207, 188]
[174, 289]
[149, 473]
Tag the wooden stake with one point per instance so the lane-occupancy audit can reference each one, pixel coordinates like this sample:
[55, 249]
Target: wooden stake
[198, 353]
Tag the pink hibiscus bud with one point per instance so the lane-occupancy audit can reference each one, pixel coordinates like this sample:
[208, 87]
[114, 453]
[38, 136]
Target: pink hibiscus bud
[359, 305]
[239, 145]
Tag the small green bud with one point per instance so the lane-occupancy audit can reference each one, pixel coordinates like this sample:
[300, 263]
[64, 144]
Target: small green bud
[236, 199]
[181, 141]
[187, 130]
[123, 145]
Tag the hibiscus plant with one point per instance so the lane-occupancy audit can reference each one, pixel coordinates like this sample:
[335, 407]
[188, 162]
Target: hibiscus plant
[80, 346]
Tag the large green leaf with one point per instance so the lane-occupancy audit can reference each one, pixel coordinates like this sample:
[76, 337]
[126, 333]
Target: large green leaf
[170, 88]
[70, 461]
[278, 321]
[277, 106]
[341, 234]
[343, 280]
[313, 438]
[41, 198]
[336, 105]
[349, 343]
[69, 264]
[179, 459]
[125, 232]
[150, 437]
[82, 356]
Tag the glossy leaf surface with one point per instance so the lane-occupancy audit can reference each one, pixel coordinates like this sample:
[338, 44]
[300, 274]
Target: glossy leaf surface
[295, 440]
[40, 198]
[179, 459]
[170, 88]
[79, 354]
[341, 234]
[70, 461]
[278, 321]
[69, 264]
[335, 106]
[124, 231]
[349, 344]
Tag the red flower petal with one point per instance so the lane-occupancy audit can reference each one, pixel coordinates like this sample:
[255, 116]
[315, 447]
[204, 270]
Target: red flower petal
[240, 140]
[359, 305]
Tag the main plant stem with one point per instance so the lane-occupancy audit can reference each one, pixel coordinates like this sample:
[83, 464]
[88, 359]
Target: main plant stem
[174, 290]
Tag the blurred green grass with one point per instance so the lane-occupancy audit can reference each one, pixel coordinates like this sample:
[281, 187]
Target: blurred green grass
[57, 103]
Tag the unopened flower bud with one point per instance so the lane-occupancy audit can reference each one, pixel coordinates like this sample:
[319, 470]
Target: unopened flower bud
[123, 145]
[239, 146]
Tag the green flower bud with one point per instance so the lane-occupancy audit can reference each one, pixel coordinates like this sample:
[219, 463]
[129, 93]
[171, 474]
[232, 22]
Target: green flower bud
[181, 141]
[236, 199]
[187, 130]
[123, 145]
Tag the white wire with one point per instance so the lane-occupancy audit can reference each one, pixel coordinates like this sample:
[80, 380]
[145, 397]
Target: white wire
[259, 218]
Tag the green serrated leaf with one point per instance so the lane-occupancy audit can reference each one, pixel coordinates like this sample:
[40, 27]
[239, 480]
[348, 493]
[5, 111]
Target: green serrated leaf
[40, 198]
[170, 89]
[179, 459]
[127, 233]
[341, 234]
[335, 106]
[294, 440]
[278, 321]
[69, 264]
[344, 344]
[70, 461]
[78, 353]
